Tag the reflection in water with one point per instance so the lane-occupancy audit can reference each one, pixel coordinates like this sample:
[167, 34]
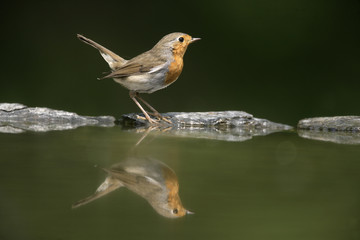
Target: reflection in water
[149, 178]
[335, 137]
[236, 134]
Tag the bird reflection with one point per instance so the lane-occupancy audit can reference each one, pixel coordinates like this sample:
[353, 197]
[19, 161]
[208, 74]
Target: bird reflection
[147, 177]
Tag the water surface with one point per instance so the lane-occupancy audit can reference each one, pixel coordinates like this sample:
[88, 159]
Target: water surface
[279, 186]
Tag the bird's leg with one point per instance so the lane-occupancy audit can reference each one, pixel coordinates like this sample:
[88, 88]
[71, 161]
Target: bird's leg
[147, 131]
[155, 112]
[132, 96]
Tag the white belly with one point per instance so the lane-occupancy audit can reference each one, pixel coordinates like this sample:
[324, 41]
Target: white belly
[144, 83]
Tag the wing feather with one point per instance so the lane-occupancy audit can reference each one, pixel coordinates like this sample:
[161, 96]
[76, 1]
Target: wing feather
[143, 63]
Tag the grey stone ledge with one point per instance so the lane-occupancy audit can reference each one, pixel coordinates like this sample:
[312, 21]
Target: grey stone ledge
[221, 125]
[219, 119]
[331, 124]
[17, 118]
[338, 129]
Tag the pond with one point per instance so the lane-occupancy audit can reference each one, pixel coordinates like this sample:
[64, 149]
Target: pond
[279, 186]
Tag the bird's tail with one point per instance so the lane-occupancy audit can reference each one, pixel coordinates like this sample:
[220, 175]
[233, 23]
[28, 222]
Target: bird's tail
[110, 184]
[111, 58]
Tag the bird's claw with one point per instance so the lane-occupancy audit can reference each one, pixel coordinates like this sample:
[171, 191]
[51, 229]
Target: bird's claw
[160, 117]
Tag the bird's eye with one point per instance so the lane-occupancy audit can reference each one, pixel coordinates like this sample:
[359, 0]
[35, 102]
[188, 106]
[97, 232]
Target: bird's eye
[181, 39]
[175, 211]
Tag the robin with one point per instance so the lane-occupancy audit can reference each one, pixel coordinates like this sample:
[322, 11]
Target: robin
[150, 71]
[147, 177]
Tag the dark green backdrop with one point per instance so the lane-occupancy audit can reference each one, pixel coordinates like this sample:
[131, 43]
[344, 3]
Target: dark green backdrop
[282, 60]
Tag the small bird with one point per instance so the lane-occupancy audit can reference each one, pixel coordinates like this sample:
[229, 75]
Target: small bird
[150, 71]
[147, 177]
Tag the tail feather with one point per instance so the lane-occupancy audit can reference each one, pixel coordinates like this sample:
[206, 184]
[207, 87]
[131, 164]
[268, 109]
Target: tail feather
[110, 184]
[111, 58]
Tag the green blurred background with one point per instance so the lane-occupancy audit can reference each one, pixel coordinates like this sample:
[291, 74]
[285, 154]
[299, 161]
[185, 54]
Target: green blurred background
[283, 60]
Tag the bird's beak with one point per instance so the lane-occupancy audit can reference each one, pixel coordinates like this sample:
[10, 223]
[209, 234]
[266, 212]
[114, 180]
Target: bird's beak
[194, 40]
[189, 212]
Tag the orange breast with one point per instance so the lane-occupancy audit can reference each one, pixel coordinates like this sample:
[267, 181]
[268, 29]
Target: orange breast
[175, 69]
[172, 186]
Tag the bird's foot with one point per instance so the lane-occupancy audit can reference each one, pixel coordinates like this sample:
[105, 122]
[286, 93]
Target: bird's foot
[160, 117]
[150, 120]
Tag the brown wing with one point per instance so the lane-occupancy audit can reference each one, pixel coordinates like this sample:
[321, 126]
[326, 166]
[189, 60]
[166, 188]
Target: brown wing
[125, 177]
[128, 70]
[140, 64]
[133, 179]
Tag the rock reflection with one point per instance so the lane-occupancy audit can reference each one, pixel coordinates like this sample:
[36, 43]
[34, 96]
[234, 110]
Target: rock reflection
[335, 137]
[147, 177]
[221, 134]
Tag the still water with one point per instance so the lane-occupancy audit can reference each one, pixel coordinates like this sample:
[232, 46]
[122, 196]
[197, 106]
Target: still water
[279, 186]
